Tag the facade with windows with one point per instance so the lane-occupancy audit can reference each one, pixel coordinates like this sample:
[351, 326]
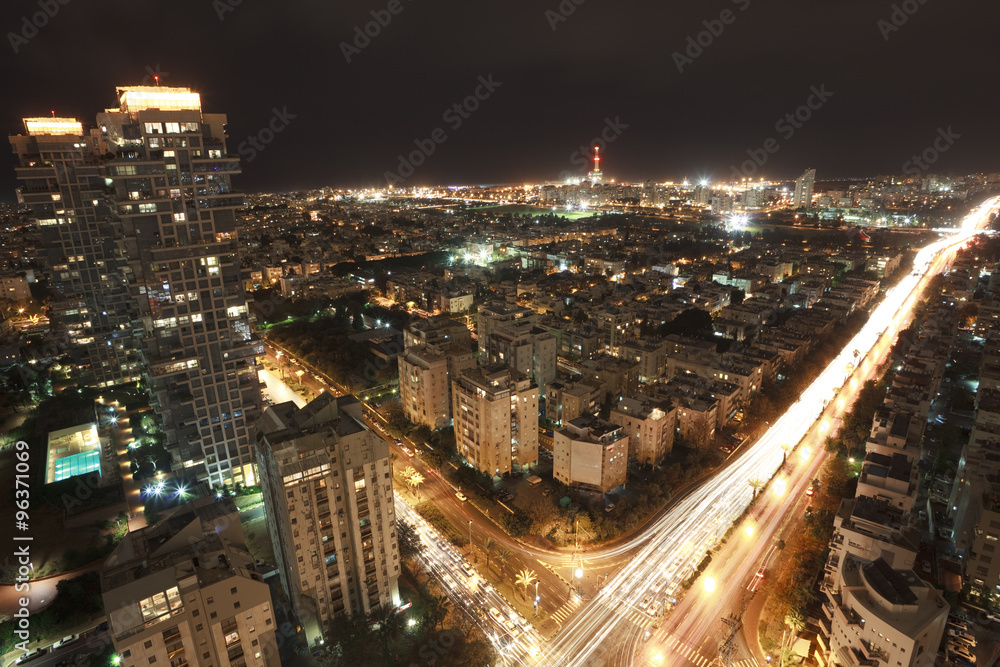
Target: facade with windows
[61, 182]
[496, 419]
[139, 234]
[327, 485]
[185, 591]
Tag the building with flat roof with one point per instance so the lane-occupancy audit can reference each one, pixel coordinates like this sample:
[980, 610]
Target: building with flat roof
[883, 614]
[73, 451]
[327, 486]
[650, 425]
[591, 454]
[185, 591]
[495, 411]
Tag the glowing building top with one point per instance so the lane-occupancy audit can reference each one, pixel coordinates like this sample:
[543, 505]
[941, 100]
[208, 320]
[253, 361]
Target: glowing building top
[53, 125]
[134, 99]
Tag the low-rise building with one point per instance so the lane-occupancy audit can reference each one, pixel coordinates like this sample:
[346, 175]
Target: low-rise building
[590, 454]
[185, 591]
[650, 424]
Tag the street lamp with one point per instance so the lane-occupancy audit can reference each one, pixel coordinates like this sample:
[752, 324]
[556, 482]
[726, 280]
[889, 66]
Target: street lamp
[470, 536]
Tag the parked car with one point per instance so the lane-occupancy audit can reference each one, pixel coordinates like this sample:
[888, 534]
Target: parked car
[461, 496]
[610, 507]
[28, 657]
[66, 641]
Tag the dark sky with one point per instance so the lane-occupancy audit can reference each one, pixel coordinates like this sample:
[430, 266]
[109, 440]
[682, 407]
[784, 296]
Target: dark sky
[605, 60]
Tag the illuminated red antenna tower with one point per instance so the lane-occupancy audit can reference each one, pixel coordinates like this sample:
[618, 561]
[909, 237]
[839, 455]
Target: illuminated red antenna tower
[596, 175]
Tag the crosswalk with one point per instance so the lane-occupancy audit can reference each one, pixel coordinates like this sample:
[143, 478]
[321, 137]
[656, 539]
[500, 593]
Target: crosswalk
[567, 609]
[674, 645]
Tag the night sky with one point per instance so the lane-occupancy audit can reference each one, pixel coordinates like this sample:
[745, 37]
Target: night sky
[893, 84]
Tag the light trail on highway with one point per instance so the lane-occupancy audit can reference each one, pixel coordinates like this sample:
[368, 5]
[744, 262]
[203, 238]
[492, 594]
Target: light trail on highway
[674, 544]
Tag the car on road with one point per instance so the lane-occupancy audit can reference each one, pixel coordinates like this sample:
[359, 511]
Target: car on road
[810, 491]
[512, 628]
[496, 614]
[467, 568]
[461, 496]
[66, 641]
[449, 581]
[645, 602]
[610, 507]
[406, 450]
[28, 657]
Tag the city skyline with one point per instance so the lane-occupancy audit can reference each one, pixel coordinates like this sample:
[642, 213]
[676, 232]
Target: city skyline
[672, 107]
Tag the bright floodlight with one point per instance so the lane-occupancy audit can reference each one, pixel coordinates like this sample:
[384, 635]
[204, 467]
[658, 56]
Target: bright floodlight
[804, 454]
[709, 584]
[411, 622]
[114, 420]
[779, 487]
[578, 573]
[748, 530]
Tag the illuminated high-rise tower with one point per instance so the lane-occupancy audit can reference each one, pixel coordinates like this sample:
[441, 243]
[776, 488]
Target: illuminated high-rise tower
[138, 220]
[171, 182]
[61, 183]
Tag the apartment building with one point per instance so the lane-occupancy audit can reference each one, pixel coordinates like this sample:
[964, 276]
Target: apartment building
[327, 486]
[139, 235]
[565, 400]
[650, 354]
[650, 424]
[491, 315]
[880, 613]
[521, 345]
[61, 182]
[184, 591]
[590, 454]
[495, 412]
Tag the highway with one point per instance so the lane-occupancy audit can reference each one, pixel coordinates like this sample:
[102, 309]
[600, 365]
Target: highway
[610, 628]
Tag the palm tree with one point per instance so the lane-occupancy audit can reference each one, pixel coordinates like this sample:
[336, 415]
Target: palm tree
[503, 557]
[785, 448]
[390, 628]
[439, 609]
[756, 483]
[489, 546]
[415, 479]
[524, 579]
[796, 623]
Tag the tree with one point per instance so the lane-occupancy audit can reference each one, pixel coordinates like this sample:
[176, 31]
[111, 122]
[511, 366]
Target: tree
[413, 479]
[524, 579]
[785, 448]
[410, 545]
[489, 546]
[756, 483]
[503, 557]
[390, 628]
[438, 610]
